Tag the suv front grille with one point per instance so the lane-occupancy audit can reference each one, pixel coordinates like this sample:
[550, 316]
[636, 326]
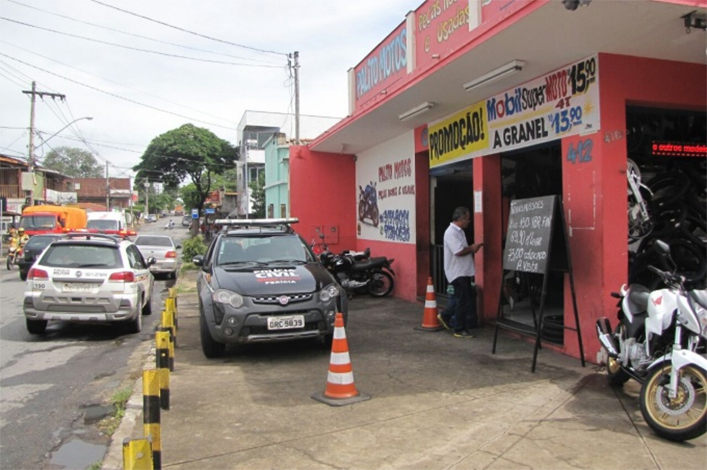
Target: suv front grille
[275, 299]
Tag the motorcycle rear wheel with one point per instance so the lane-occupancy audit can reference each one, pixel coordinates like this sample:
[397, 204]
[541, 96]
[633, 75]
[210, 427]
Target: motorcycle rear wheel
[381, 284]
[681, 418]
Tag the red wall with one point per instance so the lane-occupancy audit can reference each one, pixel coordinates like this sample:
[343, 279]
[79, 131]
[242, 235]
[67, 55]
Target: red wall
[595, 190]
[323, 193]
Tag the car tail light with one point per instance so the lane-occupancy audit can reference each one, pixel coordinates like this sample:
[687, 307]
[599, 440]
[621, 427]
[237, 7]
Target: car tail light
[124, 276]
[171, 254]
[35, 273]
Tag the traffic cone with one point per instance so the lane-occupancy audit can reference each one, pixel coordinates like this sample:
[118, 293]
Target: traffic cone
[430, 322]
[340, 387]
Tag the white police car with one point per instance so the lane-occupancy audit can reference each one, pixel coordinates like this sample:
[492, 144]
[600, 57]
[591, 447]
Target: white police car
[89, 278]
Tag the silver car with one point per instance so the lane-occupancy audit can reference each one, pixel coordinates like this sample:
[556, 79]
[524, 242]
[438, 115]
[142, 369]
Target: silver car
[164, 250]
[89, 278]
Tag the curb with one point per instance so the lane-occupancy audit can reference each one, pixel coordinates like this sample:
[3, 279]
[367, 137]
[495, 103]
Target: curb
[131, 424]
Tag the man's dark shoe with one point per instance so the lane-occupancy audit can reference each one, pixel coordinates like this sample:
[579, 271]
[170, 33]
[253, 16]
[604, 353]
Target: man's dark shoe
[463, 334]
[442, 321]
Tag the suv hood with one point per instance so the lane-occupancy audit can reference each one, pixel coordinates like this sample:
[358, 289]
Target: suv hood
[274, 279]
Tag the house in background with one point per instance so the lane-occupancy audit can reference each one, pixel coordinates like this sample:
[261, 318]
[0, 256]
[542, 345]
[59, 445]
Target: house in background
[255, 130]
[114, 193]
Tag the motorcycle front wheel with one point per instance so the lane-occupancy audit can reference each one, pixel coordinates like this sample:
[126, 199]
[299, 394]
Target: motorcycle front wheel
[381, 284]
[9, 262]
[683, 417]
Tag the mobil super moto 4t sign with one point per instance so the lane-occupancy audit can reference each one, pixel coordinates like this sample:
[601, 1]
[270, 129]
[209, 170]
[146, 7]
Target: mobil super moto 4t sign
[277, 276]
[562, 103]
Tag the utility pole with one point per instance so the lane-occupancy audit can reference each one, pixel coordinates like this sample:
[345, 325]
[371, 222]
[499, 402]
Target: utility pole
[30, 160]
[296, 66]
[107, 188]
[147, 199]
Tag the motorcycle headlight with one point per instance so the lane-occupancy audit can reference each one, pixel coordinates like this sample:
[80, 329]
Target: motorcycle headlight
[328, 293]
[223, 296]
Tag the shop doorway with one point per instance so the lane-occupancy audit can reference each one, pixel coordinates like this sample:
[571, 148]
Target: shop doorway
[530, 173]
[667, 184]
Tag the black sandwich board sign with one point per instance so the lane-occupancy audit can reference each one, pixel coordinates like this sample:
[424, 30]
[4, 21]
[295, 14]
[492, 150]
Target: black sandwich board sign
[536, 241]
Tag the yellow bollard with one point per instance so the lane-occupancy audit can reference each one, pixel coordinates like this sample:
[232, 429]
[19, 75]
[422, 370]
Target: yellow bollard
[170, 304]
[168, 324]
[137, 454]
[162, 342]
[151, 413]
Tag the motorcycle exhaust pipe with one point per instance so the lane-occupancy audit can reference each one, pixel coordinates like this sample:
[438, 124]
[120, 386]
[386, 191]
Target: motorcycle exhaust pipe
[605, 337]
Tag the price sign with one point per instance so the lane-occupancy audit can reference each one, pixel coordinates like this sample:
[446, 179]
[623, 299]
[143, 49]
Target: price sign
[529, 233]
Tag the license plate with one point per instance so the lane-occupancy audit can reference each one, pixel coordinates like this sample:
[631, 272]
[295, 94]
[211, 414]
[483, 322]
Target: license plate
[77, 287]
[284, 323]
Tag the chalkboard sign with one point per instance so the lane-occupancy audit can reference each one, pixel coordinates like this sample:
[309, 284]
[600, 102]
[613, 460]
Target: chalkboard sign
[529, 234]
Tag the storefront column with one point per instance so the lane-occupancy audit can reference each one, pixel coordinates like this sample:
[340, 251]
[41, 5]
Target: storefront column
[488, 230]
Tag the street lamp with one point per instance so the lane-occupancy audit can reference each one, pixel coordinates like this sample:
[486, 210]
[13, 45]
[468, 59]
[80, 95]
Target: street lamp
[30, 160]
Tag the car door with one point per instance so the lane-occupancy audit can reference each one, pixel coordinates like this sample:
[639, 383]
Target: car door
[142, 271]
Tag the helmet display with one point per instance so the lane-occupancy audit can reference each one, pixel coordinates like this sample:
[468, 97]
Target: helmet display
[21, 230]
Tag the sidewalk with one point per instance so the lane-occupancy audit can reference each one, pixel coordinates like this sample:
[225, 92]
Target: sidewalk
[437, 402]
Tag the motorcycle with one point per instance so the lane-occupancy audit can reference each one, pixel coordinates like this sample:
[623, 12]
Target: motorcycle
[660, 342]
[640, 222]
[370, 275]
[14, 253]
[368, 204]
[169, 225]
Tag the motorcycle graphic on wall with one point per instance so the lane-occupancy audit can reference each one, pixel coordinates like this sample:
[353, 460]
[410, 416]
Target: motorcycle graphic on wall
[368, 204]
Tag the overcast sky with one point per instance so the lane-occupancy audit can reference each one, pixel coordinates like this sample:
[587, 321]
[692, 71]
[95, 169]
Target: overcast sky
[92, 58]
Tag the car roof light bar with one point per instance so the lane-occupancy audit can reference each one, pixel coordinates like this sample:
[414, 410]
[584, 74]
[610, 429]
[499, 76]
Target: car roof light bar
[255, 222]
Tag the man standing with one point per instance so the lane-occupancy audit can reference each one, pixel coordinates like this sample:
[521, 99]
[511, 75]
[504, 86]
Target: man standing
[459, 269]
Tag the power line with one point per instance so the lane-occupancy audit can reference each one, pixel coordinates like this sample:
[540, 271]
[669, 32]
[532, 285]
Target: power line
[188, 31]
[117, 96]
[131, 34]
[136, 48]
[120, 84]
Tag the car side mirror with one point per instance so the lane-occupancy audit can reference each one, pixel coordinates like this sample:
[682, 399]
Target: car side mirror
[198, 260]
[179, 246]
[151, 260]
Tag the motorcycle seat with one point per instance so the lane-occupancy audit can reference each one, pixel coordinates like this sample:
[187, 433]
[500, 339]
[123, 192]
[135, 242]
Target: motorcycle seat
[638, 298]
[699, 296]
[369, 263]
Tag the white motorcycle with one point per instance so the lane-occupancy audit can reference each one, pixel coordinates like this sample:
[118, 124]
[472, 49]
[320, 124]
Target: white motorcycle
[660, 342]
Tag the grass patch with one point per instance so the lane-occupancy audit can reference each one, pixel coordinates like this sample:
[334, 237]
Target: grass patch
[119, 399]
[96, 465]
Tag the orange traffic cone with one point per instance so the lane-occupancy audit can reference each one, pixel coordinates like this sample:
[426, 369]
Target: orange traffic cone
[430, 322]
[340, 387]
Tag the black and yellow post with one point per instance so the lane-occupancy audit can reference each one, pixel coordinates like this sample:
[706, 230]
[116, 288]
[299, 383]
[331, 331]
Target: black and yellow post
[168, 325]
[151, 413]
[170, 304]
[162, 342]
[137, 454]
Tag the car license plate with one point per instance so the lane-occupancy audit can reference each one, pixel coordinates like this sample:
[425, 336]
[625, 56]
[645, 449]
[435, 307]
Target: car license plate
[77, 287]
[284, 323]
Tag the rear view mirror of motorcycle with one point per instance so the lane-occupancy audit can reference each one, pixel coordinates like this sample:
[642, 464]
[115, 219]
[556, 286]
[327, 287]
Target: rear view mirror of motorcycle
[664, 249]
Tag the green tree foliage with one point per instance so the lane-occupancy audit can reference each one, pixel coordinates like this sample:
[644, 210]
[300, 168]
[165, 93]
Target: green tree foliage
[228, 180]
[192, 247]
[188, 152]
[73, 162]
[257, 193]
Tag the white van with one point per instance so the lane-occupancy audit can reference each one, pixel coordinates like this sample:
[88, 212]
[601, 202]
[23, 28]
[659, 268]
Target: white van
[109, 223]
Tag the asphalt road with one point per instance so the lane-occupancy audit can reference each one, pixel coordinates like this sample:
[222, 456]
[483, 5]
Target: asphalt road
[53, 387]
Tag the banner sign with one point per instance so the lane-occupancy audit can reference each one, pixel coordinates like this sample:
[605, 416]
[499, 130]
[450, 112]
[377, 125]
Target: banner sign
[559, 104]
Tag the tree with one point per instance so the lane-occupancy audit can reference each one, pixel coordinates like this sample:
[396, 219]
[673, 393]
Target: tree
[73, 162]
[187, 152]
[257, 193]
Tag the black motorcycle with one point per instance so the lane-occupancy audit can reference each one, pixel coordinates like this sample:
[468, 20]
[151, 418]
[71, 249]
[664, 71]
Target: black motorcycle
[359, 273]
[368, 204]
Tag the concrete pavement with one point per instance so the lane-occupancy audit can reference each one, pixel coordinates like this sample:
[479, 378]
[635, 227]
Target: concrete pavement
[438, 402]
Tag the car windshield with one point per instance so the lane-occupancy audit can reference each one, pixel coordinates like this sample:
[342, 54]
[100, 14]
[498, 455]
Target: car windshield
[82, 256]
[153, 241]
[39, 242]
[102, 224]
[236, 250]
[34, 222]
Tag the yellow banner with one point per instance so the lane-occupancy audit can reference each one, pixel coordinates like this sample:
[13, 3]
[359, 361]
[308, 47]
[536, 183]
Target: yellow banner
[460, 134]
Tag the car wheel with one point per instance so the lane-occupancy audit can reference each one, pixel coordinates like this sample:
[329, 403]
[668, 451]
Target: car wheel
[36, 327]
[135, 325]
[147, 308]
[209, 345]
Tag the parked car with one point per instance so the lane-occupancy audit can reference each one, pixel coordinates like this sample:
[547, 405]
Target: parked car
[164, 250]
[90, 278]
[32, 249]
[186, 220]
[151, 218]
[260, 282]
